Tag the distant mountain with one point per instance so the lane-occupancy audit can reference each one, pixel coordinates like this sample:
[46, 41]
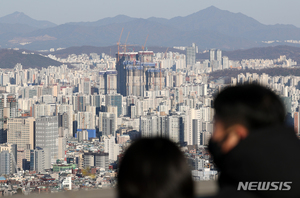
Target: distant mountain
[208, 28]
[159, 35]
[21, 18]
[9, 31]
[9, 58]
[231, 24]
[105, 21]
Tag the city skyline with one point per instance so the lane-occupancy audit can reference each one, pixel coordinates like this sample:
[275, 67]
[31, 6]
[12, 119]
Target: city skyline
[78, 11]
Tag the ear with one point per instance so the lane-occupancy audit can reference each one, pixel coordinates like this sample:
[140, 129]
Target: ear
[236, 133]
[241, 131]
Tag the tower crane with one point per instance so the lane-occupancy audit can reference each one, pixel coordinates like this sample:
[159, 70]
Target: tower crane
[118, 44]
[143, 47]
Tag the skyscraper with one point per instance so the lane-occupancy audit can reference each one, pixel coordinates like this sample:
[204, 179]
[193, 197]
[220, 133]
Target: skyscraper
[110, 82]
[111, 148]
[173, 128]
[20, 131]
[191, 55]
[197, 132]
[211, 55]
[46, 135]
[225, 62]
[219, 55]
[10, 160]
[219, 59]
[122, 60]
[39, 159]
[107, 123]
[114, 100]
[5, 163]
[8, 109]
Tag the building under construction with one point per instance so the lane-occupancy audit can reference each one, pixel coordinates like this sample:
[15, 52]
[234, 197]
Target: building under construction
[138, 73]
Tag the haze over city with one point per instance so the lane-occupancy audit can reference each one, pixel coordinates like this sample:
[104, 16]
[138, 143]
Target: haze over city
[268, 12]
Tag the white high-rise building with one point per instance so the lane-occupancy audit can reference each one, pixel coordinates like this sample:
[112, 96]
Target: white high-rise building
[148, 126]
[173, 128]
[39, 159]
[111, 148]
[219, 55]
[107, 123]
[46, 135]
[211, 55]
[225, 62]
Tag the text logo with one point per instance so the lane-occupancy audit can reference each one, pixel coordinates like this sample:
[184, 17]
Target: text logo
[264, 186]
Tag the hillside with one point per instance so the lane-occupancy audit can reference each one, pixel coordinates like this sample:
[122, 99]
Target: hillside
[109, 50]
[260, 53]
[269, 71]
[9, 58]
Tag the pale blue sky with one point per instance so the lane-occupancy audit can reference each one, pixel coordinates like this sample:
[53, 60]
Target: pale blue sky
[62, 11]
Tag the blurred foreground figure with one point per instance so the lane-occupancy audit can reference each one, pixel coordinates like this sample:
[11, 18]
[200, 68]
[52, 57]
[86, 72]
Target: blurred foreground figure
[257, 155]
[154, 168]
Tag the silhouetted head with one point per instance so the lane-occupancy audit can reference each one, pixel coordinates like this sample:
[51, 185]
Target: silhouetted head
[251, 105]
[154, 168]
[241, 109]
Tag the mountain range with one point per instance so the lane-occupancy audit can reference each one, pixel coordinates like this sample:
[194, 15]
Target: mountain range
[208, 28]
[9, 58]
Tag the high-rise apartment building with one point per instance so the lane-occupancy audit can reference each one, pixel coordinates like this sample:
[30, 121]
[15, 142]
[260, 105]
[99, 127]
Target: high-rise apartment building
[46, 135]
[39, 159]
[114, 100]
[8, 154]
[225, 62]
[170, 127]
[197, 132]
[107, 123]
[8, 109]
[111, 148]
[20, 131]
[219, 55]
[110, 82]
[85, 86]
[191, 55]
[212, 55]
[5, 159]
[173, 129]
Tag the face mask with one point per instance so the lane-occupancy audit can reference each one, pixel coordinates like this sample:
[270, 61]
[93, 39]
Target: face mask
[216, 151]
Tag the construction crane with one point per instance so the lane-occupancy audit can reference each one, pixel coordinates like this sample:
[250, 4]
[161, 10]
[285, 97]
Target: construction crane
[126, 42]
[143, 47]
[119, 44]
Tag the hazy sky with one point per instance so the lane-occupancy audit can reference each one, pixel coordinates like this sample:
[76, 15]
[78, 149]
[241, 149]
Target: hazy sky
[62, 11]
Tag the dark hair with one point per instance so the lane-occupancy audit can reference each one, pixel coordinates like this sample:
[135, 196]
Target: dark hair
[154, 168]
[251, 105]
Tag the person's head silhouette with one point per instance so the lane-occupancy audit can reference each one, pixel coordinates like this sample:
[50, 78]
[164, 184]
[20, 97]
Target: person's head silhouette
[154, 168]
